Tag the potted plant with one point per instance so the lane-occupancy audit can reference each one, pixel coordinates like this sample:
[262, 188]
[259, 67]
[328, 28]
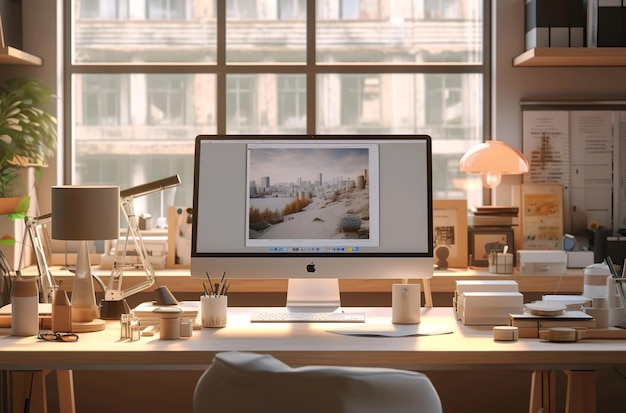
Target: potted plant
[28, 136]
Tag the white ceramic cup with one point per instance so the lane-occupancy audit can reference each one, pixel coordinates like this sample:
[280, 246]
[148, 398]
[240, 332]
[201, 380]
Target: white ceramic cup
[214, 310]
[406, 303]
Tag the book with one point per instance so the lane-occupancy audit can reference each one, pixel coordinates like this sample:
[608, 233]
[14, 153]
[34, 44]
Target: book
[492, 221]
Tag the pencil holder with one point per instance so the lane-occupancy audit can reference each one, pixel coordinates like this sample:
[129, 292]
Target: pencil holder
[214, 310]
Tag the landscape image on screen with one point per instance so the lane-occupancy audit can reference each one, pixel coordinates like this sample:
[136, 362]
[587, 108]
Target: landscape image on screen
[310, 193]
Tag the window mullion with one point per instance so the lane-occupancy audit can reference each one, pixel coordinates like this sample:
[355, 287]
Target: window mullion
[311, 83]
[221, 69]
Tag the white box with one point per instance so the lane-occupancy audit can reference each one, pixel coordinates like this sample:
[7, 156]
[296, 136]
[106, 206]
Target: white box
[490, 308]
[542, 261]
[579, 259]
[463, 286]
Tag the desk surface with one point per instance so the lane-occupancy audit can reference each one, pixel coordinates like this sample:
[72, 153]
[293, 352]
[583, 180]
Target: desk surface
[468, 347]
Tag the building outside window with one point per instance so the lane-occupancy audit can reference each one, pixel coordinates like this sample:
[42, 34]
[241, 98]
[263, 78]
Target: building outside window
[147, 76]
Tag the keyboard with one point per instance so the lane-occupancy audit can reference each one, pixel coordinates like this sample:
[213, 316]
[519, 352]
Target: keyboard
[307, 317]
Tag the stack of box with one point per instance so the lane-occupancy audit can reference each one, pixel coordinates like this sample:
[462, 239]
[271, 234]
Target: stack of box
[486, 302]
[555, 23]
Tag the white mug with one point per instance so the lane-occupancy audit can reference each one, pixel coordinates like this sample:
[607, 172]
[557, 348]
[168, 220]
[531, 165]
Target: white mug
[405, 303]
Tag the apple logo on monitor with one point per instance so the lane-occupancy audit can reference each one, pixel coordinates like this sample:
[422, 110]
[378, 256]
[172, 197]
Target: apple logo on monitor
[310, 267]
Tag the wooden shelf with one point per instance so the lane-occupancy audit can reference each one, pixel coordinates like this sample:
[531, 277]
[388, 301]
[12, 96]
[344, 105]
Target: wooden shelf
[12, 56]
[572, 56]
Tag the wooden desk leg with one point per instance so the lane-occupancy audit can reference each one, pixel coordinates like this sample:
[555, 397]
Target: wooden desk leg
[65, 384]
[28, 387]
[543, 392]
[428, 295]
[581, 391]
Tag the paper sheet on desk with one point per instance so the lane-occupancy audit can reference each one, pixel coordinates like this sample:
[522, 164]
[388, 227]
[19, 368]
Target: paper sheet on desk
[385, 330]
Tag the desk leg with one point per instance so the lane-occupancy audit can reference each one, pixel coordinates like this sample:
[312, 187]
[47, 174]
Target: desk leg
[428, 295]
[543, 392]
[581, 391]
[65, 384]
[28, 387]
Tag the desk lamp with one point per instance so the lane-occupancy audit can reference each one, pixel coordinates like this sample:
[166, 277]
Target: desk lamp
[36, 231]
[85, 213]
[114, 303]
[492, 159]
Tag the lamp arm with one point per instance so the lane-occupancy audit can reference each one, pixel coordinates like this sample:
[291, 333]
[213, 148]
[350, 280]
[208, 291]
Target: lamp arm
[114, 290]
[34, 227]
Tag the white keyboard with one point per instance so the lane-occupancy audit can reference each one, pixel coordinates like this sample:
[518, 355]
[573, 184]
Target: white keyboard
[307, 317]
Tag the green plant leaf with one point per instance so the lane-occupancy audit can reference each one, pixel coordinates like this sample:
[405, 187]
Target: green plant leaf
[21, 209]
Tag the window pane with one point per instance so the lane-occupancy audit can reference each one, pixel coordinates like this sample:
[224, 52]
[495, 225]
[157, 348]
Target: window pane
[265, 34]
[131, 129]
[150, 31]
[443, 106]
[266, 103]
[417, 31]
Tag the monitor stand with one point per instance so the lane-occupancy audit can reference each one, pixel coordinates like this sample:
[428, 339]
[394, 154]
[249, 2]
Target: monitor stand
[313, 295]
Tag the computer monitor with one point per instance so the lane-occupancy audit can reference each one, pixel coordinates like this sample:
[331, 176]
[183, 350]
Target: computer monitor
[312, 209]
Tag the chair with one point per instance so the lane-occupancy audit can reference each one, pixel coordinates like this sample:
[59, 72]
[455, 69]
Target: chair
[255, 383]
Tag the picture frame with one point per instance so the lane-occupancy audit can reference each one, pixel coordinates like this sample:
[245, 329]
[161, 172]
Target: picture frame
[179, 236]
[484, 240]
[450, 233]
[541, 216]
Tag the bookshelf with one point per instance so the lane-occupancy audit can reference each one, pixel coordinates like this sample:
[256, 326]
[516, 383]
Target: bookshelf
[572, 56]
[12, 56]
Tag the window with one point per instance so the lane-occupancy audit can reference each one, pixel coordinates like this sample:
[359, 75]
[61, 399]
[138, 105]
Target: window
[165, 9]
[148, 76]
[292, 102]
[98, 9]
[240, 99]
[166, 100]
[291, 9]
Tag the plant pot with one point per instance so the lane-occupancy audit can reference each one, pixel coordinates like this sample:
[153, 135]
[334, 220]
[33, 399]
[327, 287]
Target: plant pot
[8, 205]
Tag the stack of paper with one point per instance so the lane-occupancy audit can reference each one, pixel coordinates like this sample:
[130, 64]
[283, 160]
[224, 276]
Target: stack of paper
[530, 324]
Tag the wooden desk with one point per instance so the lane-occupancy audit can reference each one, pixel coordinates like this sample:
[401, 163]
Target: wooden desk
[468, 347]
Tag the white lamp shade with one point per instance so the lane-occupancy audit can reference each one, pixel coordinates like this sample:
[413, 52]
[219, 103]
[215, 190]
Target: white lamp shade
[494, 157]
[85, 212]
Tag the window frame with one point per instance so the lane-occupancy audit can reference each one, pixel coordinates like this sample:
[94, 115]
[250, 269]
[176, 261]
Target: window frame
[310, 69]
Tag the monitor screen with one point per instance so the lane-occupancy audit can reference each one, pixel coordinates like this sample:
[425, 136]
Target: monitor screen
[312, 207]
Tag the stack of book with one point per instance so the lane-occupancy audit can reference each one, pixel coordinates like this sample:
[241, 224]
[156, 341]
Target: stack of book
[493, 216]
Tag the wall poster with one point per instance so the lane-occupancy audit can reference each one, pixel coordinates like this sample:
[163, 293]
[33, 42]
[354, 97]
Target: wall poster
[541, 212]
